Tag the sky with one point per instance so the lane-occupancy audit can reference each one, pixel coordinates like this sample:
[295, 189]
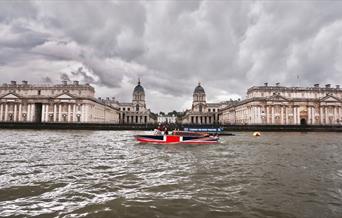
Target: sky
[228, 46]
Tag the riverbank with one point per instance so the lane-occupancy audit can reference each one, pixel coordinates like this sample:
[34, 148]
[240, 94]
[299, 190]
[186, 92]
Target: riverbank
[226, 128]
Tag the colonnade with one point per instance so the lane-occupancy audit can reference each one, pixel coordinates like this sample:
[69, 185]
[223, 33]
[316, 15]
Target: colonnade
[57, 112]
[134, 119]
[17, 112]
[291, 115]
[203, 119]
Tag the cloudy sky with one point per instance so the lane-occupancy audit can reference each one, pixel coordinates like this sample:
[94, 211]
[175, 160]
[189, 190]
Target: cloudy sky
[172, 45]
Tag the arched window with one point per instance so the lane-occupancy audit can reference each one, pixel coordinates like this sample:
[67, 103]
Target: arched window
[200, 108]
[137, 107]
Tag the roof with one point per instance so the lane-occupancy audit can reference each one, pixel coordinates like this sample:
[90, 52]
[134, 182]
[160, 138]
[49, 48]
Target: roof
[139, 88]
[199, 89]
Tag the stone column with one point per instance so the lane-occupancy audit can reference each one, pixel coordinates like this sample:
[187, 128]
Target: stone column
[267, 114]
[47, 113]
[27, 112]
[257, 114]
[69, 113]
[282, 115]
[287, 112]
[15, 113]
[320, 115]
[298, 115]
[32, 112]
[74, 118]
[309, 115]
[81, 113]
[60, 113]
[86, 113]
[43, 113]
[326, 115]
[20, 113]
[272, 111]
[294, 115]
[6, 111]
[1, 111]
[55, 112]
[254, 114]
[335, 114]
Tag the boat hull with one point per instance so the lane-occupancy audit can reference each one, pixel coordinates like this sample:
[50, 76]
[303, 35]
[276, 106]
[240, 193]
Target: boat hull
[175, 139]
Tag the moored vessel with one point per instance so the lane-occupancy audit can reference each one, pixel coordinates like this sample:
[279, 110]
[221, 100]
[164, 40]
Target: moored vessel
[179, 137]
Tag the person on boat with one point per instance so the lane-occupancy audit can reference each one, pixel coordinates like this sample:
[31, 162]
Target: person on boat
[166, 131]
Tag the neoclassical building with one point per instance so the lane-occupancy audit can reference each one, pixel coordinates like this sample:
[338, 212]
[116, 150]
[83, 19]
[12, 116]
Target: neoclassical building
[54, 103]
[136, 112]
[282, 105]
[201, 112]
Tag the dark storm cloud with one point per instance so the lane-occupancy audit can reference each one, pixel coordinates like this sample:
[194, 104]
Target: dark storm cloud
[228, 46]
[64, 77]
[85, 77]
[46, 79]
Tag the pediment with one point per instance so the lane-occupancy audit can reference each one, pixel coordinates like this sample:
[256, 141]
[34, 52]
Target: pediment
[10, 96]
[330, 98]
[64, 96]
[277, 98]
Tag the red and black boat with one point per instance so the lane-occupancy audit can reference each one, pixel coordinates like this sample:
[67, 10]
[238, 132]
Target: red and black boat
[177, 137]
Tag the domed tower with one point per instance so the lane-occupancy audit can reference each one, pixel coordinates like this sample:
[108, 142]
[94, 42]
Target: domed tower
[139, 98]
[199, 94]
[199, 99]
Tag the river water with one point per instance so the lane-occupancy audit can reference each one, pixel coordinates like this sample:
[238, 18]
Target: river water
[107, 174]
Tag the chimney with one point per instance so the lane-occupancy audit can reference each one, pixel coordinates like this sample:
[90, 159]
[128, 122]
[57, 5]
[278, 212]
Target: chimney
[337, 86]
[277, 84]
[327, 86]
[13, 82]
[64, 82]
[99, 98]
[107, 98]
[113, 98]
[316, 85]
[76, 82]
[266, 84]
[24, 82]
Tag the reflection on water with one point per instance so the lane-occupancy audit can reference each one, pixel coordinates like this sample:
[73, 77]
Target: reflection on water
[106, 174]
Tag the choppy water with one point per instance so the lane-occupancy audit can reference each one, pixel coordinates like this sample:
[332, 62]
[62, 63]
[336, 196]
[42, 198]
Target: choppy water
[106, 174]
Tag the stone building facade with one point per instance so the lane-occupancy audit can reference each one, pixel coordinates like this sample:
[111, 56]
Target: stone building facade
[201, 112]
[136, 112]
[280, 105]
[66, 103]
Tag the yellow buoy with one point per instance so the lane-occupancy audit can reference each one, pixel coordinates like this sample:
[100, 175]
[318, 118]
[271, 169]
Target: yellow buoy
[256, 134]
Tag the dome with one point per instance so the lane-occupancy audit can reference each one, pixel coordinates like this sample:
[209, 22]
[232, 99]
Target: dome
[138, 88]
[199, 89]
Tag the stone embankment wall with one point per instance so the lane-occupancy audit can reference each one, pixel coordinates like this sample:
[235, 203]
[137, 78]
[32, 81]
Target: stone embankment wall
[226, 128]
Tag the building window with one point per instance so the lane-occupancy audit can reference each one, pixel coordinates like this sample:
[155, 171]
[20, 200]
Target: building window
[128, 109]
[137, 107]
[39, 92]
[209, 110]
[123, 109]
